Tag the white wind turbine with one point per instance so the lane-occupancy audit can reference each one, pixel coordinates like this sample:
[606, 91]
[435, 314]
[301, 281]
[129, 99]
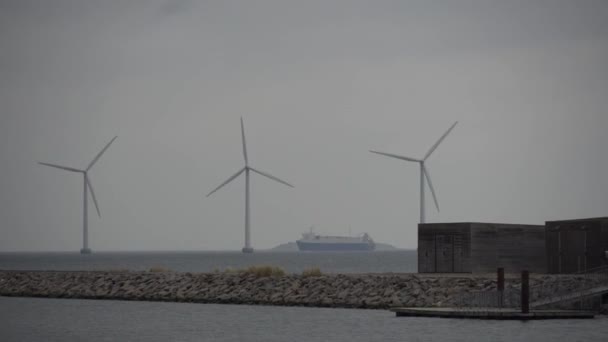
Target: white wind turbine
[424, 172]
[88, 185]
[246, 169]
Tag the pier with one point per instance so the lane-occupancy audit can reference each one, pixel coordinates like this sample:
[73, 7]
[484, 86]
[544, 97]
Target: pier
[551, 300]
[491, 313]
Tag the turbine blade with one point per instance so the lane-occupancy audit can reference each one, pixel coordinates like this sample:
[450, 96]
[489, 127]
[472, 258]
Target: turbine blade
[428, 154]
[61, 167]
[270, 176]
[228, 181]
[100, 153]
[244, 142]
[430, 183]
[90, 185]
[397, 156]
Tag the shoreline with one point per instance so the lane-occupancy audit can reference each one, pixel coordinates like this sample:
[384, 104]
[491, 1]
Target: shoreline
[362, 291]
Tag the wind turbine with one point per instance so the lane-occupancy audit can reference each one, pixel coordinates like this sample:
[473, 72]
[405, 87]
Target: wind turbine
[424, 172]
[88, 185]
[247, 169]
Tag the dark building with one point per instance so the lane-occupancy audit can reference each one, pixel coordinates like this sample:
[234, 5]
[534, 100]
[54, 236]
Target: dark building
[576, 245]
[480, 247]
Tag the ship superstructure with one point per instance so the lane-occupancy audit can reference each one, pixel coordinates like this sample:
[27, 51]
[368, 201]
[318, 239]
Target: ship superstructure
[314, 242]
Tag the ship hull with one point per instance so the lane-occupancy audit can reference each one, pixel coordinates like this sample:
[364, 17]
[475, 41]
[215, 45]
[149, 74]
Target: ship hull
[328, 246]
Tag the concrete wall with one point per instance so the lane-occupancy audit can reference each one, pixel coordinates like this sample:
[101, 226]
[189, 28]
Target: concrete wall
[604, 238]
[484, 256]
[521, 247]
[444, 248]
[480, 248]
[576, 245]
[533, 256]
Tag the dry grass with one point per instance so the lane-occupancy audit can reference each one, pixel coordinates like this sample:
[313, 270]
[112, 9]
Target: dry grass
[312, 272]
[158, 269]
[230, 270]
[258, 271]
[264, 271]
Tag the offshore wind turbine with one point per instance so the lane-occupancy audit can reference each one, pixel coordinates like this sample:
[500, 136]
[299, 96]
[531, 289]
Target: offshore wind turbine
[247, 248]
[88, 185]
[424, 172]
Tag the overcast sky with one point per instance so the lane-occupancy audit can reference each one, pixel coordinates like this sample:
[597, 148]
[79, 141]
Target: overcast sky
[318, 83]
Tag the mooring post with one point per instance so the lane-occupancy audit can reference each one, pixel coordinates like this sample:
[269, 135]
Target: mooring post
[525, 292]
[500, 285]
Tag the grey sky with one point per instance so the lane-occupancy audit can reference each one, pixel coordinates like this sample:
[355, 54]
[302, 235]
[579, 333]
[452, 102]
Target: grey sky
[318, 83]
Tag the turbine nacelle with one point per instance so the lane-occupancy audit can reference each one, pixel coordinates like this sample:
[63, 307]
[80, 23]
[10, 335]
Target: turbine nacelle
[246, 169]
[424, 172]
[87, 180]
[88, 185]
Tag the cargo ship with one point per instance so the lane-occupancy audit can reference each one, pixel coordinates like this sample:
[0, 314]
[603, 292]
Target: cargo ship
[313, 242]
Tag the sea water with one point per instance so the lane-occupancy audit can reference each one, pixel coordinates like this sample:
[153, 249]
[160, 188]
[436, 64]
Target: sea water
[403, 261]
[42, 319]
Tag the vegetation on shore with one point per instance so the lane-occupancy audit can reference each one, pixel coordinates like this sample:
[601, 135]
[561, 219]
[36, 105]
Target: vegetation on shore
[264, 271]
[258, 271]
[312, 272]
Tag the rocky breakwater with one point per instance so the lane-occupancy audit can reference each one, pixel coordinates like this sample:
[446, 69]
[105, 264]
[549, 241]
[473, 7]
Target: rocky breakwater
[375, 291]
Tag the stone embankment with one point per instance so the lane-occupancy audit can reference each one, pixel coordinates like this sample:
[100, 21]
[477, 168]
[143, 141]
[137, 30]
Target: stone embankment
[374, 291]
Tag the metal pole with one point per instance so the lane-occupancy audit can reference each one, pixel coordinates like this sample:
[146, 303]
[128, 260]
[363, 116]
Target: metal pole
[422, 213]
[247, 248]
[525, 292]
[85, 219]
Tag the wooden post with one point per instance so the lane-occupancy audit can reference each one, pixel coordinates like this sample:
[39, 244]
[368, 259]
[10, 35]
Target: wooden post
[525, 292]
[500, 285]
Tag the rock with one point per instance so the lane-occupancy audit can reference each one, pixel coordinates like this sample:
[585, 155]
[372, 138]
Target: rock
[395, 301]
[343, 290]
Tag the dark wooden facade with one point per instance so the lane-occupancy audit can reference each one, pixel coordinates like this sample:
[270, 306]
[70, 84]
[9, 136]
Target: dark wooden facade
[471, 247]
[576, 245]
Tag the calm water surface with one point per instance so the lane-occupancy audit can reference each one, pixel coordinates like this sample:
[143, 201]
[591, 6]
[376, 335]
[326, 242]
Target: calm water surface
[293, 262]
[38, 319]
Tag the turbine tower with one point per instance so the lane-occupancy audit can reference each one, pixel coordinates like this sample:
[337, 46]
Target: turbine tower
[424, 172]
[247, 169]
[88, 185]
